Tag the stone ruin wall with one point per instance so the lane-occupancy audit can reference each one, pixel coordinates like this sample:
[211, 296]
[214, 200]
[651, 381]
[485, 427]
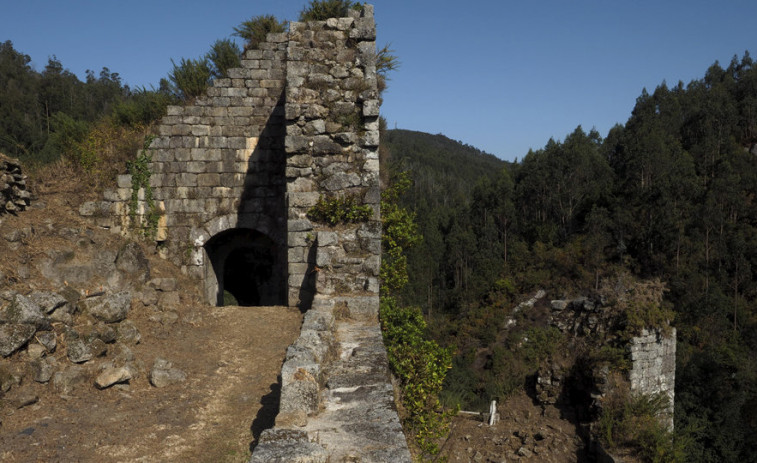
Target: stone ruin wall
[653, 366]
[298, 121]
[652, 353]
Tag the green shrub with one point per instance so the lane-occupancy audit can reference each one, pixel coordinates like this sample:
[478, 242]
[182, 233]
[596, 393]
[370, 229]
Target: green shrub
[254, 30]
[224, 55]
[338, 210]
[190, 78]
[229, 299]
[634, 422]
[143, 107]
[321, 10]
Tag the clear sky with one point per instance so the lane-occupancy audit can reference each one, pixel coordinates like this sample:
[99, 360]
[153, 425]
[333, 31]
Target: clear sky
[503, 76]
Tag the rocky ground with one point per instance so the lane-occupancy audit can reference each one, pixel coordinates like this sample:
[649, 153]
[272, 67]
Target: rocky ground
[525, 432]
[107, 353]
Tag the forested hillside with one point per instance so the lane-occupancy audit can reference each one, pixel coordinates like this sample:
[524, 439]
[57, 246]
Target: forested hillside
[669, 195]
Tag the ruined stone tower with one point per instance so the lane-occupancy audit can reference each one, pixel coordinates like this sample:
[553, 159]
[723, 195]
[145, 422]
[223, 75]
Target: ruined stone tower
[234, 173]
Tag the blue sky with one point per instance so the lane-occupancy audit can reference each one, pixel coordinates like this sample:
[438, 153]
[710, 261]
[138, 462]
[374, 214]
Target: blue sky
[503, 76]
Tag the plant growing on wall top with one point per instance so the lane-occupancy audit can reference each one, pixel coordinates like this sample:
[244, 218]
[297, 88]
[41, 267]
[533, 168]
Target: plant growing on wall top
[190, 77]
[255, 29]
[320, 10]
[224, 55]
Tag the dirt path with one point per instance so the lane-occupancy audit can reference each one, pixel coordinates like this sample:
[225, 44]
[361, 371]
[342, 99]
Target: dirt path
[232, 357]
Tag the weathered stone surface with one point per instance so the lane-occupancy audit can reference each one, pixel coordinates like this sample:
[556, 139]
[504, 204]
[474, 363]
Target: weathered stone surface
[24, 399]
[35, 351]
[131, 260]
[164, 374]
[78, 351]
[14, 337]
[22, 310]
[288, 446]
[128, 332]
[43, 369]
[47, 301]
[110, 308]
[68, 380]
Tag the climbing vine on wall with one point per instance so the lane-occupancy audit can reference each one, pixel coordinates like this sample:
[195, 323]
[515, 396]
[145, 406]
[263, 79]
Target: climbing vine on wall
[139, 170]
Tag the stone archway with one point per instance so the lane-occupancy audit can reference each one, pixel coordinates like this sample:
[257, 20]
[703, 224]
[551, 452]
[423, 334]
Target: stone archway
[245, 268]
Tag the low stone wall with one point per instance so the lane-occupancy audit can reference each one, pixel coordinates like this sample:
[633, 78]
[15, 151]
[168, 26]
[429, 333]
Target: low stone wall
[337, 400]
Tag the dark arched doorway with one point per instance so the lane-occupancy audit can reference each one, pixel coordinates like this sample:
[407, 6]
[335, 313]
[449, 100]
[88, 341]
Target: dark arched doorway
[247, 268]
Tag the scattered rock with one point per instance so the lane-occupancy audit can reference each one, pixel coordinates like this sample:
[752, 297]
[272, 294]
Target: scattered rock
[22, 310]
[7, 380]
[35, 351]
[121, 353]
[169, 300]
[163, 284]
[47, 301]
[148, 296]
[109, 308]
[524, 452]
[128, 332]
[66, 381]
[98, 347]
[165, 318]
[14, 337]
[113, 376]
[78, 351]
[164, 374]
[62, 315]
[42, 370]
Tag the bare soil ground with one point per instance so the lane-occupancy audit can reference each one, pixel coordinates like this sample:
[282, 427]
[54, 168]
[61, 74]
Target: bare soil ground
[232, 357]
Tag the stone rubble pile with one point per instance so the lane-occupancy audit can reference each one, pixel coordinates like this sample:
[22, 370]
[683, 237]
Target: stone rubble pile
[14, 197]
[69, 339]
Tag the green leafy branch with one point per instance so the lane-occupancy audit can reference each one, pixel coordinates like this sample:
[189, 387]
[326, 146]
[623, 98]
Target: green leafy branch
[420, 365]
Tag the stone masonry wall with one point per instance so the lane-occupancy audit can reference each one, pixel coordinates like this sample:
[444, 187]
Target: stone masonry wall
[332, 111]
[217, 164]
[653, 370]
